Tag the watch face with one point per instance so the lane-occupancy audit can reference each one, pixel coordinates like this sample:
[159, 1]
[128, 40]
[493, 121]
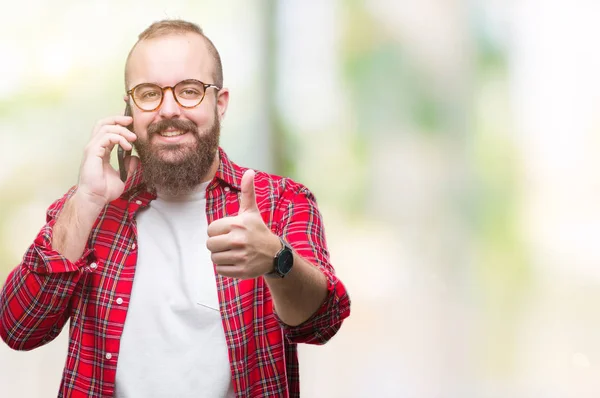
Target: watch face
[286, 261]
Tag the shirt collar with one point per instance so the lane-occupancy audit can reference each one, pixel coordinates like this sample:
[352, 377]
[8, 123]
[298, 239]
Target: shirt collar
[228, 172]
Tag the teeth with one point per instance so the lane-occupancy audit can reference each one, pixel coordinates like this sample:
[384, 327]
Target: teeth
[171, 133]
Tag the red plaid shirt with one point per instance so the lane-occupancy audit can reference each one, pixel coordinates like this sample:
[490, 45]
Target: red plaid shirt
[46, 289]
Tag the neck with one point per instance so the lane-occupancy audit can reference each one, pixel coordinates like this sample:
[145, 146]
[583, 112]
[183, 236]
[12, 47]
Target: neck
[212, 171]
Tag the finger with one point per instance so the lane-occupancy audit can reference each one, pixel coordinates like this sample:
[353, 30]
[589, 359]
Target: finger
[220, 227]
[219, 243]
[230, 257]
[112, 120]
[116, 129]
[109, 140]
[248, 195]
[233, 271]
[103, 145]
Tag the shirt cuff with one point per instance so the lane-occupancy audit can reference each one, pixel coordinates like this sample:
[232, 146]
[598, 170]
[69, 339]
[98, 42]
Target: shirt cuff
[325, 322]
[50, 260]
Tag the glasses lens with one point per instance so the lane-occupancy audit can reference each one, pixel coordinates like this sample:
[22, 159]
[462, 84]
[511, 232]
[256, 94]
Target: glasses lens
[189, 92]
[147, 96]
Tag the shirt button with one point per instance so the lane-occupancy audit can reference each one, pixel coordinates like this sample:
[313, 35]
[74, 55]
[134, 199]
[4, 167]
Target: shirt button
[138, 202]
[108, 355]
[119, 301]
[93, 265]
[227, 189]
[133, 246]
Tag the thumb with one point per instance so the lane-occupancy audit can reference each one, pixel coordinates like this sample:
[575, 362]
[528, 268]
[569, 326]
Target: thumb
[248, 197]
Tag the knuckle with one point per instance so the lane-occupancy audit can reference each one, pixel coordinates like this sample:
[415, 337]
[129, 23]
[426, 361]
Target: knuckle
[211, 230]
[242, 258]
[240, 240]
[211, 247]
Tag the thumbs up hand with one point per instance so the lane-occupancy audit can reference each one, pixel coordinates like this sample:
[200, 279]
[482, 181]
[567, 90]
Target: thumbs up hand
[243, 246]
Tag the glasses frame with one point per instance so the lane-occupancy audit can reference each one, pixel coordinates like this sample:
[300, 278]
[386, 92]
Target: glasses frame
[172, 88]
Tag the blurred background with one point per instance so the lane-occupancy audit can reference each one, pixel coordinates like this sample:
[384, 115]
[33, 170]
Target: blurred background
[452, 146]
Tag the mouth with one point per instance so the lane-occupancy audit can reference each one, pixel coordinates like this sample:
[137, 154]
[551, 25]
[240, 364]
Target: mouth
[171, 133]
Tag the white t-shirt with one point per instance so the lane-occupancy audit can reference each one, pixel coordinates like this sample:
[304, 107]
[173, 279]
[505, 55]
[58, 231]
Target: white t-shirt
[173, 343]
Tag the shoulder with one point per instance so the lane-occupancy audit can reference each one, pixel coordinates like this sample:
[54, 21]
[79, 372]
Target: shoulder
[281, 187]
[267, 185]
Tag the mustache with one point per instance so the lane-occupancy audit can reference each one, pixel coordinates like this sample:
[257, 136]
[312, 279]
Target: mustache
[177, 124]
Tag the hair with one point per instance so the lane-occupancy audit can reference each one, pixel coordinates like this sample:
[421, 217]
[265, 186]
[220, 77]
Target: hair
[168, 27]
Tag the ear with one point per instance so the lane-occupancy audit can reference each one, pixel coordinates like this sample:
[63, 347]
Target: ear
[222, 102]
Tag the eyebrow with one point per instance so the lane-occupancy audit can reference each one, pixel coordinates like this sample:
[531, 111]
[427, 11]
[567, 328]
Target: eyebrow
[160, 85]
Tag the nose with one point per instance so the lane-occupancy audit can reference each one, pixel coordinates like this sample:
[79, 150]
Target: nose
[169, 107]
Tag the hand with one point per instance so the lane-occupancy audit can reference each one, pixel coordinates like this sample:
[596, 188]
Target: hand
[243, 246]
[99, 183]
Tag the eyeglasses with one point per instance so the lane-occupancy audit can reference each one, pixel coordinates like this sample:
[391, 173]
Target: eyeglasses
[188, 94]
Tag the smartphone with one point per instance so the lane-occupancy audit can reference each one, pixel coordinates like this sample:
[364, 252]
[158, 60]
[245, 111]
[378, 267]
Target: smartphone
[121, 153]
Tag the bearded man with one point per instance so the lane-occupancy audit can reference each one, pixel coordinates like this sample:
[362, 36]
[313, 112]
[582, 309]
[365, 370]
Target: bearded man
[195, 276]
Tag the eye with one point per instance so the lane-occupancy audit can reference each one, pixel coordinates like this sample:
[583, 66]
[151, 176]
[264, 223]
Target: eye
[190, 92]
[150, 95]
[147, 93]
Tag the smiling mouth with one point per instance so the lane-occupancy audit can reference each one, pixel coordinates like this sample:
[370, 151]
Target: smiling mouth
[173, 133]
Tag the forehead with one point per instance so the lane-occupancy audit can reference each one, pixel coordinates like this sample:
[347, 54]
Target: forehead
[170, 59]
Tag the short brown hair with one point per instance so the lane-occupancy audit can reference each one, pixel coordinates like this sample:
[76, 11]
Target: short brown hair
[178, 26]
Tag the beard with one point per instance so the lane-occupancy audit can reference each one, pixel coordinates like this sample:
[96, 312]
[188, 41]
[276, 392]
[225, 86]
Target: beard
[177, 169]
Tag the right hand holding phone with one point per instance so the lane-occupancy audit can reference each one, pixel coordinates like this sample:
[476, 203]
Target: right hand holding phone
[99, 183]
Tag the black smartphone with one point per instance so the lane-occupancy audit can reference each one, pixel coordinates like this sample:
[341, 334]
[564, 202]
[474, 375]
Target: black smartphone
[121, 152]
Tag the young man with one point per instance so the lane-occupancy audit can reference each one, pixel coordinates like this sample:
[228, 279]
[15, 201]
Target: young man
[196, 277]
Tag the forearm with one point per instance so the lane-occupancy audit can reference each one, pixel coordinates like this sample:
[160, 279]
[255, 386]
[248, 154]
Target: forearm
[73, 227]
[300, 294]
[34, 307]
[35, 299]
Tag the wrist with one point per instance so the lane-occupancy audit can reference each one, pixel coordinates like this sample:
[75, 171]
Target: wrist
[87, 203]
[274, 246]
[282, 261]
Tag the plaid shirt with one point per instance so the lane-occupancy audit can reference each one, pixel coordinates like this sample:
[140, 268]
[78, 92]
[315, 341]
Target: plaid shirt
[46, 289]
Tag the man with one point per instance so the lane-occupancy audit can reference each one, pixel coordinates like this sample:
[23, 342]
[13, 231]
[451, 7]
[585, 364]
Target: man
[196, 277]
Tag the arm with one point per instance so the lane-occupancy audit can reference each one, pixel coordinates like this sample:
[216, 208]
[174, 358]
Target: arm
[34, 302]
[310, 302]
[300, 294]
[73, 226]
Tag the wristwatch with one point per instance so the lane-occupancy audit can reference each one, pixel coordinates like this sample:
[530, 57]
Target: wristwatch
[283, 261]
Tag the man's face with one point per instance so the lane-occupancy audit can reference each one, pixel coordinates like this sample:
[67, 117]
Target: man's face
[177, 146]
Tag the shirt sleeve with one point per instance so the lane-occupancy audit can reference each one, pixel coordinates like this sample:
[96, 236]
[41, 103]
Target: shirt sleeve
[34, 302]
[302, 227]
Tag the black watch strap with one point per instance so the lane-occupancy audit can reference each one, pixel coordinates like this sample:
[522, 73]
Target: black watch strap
[283, 261]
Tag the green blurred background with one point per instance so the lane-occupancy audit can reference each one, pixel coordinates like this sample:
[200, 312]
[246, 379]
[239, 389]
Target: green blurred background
[451, 144]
